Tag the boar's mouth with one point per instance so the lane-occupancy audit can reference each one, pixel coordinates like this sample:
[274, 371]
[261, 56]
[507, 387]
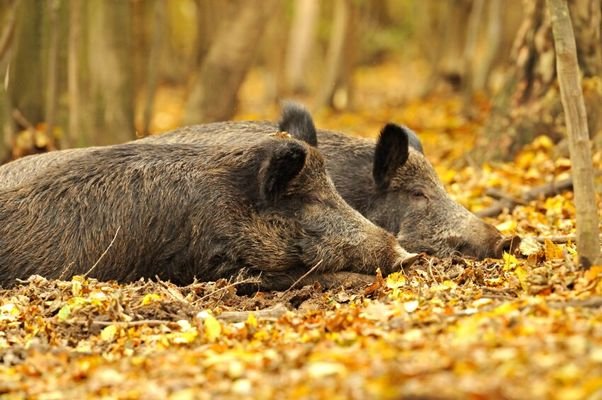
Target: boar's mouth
[508, 244]
[494, 249]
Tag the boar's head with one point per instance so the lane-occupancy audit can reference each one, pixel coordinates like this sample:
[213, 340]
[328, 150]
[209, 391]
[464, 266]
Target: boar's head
[300, 215]
[409, 199]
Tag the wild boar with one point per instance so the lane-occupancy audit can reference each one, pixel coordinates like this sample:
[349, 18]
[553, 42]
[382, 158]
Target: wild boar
[262, 204]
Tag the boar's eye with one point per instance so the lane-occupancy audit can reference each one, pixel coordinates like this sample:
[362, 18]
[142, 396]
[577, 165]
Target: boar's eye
[418, 194]
[312, 198]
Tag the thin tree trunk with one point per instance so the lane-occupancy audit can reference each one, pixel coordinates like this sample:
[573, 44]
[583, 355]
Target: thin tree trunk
[110, 71]
[300, 43]
[52, 72]
[73, 67]
[494, 38]
[213, 97]
[334, 58]
[469, 51]
[27, 62]
[7, 32]
[588, 243]
[6, 41]
[152, 69]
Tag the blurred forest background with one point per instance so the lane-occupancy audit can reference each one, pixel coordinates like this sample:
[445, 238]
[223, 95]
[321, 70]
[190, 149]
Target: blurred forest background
[84, 72]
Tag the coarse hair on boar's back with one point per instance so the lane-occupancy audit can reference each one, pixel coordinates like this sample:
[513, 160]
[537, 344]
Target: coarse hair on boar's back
[263, 204]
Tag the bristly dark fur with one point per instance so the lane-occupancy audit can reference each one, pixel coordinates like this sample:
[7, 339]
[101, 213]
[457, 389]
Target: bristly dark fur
[208, 210]
[297, 121]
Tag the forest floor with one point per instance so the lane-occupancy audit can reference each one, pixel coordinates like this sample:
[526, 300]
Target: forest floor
[525, 326]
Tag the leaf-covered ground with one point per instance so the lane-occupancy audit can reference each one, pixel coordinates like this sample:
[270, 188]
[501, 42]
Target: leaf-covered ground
[525, 327]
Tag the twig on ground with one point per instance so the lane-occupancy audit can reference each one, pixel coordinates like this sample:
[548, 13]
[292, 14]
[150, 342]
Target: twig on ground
[556, 239]
[593, 302]
[547, 190]
[312, 269]
[499, 195]
[230, 285]
[430, 269]
[274, 312]
[149, 322]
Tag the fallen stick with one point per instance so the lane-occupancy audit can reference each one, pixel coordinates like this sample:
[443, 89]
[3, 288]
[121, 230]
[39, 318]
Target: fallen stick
[148, 322]
[508, 202]
[593, 302]
[238, 316]
[556, 239]
[561, 239]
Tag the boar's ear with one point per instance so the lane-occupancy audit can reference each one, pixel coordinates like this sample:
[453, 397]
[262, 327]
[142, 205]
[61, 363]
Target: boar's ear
[391, 152]
[297, 121]
[282, 165]
[413, 140]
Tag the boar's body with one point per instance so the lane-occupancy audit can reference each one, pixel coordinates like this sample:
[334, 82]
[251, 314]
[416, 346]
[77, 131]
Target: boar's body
[206, 210]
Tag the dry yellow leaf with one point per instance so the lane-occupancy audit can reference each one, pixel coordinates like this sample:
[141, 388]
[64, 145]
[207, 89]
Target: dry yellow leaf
[150, 298]
[108, 333]
[552, 251]
[213, 329]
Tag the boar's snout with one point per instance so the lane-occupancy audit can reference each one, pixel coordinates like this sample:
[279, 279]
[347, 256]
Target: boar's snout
[484, 242]
[507, 244]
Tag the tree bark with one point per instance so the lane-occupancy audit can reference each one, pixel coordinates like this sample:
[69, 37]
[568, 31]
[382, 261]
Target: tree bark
[300, 43]
[111, 97]
[494, 33]
[73, 75]
[52, 72]
[156, 45]
[27, 62]
[529, 103]
[213, 97]
[336, 46]
[469, 53]
[6, 41]
[588, 243]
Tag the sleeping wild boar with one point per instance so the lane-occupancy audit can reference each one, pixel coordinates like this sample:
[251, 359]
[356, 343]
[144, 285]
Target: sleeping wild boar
[259, 203]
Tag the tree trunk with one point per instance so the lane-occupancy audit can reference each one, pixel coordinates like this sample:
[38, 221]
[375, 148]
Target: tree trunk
[73, 68]
[213, 97]
[494, 39]
[529, 104]
[444, 20]
[588, 243]
[159, 25]
[6, 41]
[26, 80]
[472, 33]
[111, 100]
[52, 72]
[335, 56]
[300, 43]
